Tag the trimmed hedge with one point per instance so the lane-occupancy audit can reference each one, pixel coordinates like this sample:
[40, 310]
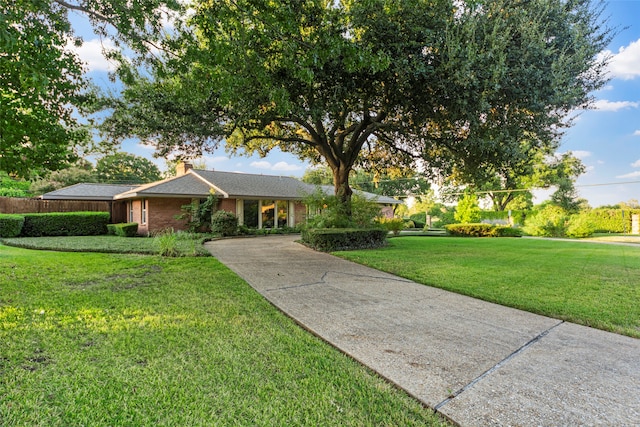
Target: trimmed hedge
[610, 220]
[127, 229]
[65, 224]
[482, 230]
[11, 225]
[341, 239]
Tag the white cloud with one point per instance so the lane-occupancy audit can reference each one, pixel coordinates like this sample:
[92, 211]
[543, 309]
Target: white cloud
[604, 105]
[263, 164]
[280, 166]
[626, 63]
[636, 164]
[637, 133]
[630, 175]
[581, 154]
[284, 166]
[91, 54]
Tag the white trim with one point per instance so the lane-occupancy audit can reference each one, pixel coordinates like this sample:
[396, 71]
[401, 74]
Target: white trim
[224, 193]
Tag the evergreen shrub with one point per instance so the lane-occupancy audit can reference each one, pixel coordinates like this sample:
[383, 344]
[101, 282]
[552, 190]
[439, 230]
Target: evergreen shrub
[224, 223]
[11, 225]
[65, 224]
[340, 239]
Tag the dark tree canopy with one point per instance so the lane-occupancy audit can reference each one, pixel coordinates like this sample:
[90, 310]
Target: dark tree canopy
[451, 87]
[126, 168]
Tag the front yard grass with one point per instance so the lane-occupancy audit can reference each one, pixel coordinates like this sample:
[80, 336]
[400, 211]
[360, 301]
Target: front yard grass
[187, 244]
[137, 340]
[597, 285]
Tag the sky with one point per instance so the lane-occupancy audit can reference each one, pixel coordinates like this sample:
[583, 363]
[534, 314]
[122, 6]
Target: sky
[606, 138]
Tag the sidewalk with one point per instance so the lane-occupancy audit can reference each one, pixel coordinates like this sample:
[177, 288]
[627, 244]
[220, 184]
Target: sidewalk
[476, 363]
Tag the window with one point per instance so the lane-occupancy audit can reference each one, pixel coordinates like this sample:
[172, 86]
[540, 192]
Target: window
[144, 212]
[250, 213]
[131, 212]
[268, 213]
[282, 213]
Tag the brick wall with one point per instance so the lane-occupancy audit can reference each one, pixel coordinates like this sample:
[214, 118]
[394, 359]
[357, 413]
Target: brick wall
[161, 212]
[227, 205]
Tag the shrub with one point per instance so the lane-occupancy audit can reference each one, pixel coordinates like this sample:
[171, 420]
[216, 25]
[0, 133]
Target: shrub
[330, 211]
[111, 229]
[11, 225]
[127, 229]
[580, 225]
[551, 221]
[611, 220]
[224, 223]
[167, 243]
[65, 224]
[419, 219]
[394, 225]
[468, 211]
[340, 239]
[482, 230]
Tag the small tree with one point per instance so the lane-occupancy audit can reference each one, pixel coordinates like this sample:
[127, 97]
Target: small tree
[468, 210]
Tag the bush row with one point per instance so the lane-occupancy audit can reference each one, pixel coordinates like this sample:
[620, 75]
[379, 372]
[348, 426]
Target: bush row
[54, 224]
[339, 239]
[482, 230]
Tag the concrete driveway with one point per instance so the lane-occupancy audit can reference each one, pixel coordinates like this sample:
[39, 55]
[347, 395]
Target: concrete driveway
[475, 362]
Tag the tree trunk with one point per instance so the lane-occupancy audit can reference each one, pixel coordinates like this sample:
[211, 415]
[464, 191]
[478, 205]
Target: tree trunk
[342, 189]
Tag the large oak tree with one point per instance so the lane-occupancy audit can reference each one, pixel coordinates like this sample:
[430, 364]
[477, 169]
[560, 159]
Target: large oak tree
[448, 86]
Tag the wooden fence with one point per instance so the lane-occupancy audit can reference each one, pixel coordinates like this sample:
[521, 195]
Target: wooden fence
[15, 205]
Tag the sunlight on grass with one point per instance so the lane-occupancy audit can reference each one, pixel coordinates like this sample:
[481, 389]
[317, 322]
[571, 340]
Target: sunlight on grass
[100, 339]
[591, 284]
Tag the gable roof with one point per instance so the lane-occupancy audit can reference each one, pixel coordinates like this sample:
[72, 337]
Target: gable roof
[88, 191]
[187, 185]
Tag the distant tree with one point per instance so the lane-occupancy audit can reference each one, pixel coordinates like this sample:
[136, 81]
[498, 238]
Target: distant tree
[126, 168]
[11, 187]
[63, 178]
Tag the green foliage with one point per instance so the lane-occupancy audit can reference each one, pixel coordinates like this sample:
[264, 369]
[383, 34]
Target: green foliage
[343, 239]
[63, 178]
[611, 220]
[65, 224]
[10, 187]
[40, 79]
[126, 168]
[394, 225]
[468, 210]
[167, 243]
[482, 230]
[111, 229]
[580, 226]
[551, 221]
[224, 223]
[198, 214]
[11, 225]
[330, 213]
[127, 229]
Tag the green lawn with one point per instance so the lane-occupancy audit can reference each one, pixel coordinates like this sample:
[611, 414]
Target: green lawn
[137, 340]
[592, 284]
[187, 244]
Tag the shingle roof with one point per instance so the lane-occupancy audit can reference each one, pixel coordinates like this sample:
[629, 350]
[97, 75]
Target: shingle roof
[199, 183]
[88, 191]
[187, 185]
[256, 186]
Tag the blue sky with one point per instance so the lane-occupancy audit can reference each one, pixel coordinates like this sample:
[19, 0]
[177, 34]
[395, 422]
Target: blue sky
[607, 138]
